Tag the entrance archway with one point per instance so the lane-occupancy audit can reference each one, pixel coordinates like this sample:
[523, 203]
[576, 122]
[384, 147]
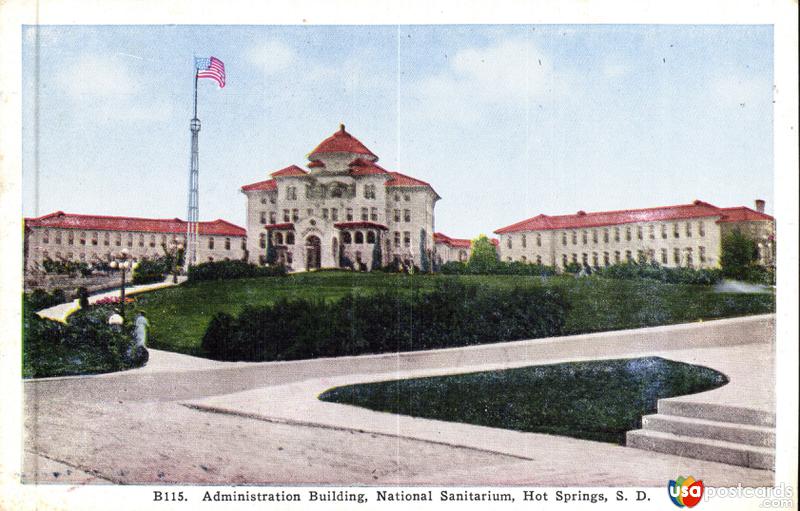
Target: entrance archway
[313, 254]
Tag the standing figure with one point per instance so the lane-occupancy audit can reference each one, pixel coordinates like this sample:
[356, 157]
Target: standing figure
[142, 326]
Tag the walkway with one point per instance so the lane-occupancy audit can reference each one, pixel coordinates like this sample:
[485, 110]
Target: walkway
[153, 424]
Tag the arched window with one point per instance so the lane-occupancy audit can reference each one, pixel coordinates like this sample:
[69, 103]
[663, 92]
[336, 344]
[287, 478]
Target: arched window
[359, 237]
[278, 238]
[347, 238]
[290, 238]
[371, 237]
[262, 241]
[211, 243]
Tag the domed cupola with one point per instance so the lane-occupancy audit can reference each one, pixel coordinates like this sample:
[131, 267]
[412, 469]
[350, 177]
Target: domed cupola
[337, 151]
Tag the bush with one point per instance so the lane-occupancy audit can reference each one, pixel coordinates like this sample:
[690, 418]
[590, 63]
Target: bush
[498, 268]
[66, 267]
[223, 270]
[148, 271]
[452, 314]
[83, 297]
[40, 299]
[632, 270]
[572, 268]
[86, 344]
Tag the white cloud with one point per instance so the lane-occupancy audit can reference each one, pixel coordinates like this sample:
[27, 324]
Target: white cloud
[271, 57]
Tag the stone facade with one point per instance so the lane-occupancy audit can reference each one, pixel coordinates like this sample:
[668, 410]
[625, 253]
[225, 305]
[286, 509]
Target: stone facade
[344, 211]
[93, 239]
[683, 235]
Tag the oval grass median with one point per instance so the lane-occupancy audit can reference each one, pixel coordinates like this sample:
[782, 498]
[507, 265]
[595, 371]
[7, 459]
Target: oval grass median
[598, 400]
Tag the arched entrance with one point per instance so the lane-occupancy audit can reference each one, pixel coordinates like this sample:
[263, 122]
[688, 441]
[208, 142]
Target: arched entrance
[312, 253]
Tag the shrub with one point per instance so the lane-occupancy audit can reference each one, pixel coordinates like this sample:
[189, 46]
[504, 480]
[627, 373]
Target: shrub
[86, 344]
[452, 314]
[61, 267]
[83, 297]
[223, 270]
[572, 267]
[483, 257]
[40, 299]
[499, 268]
[682, 275]
[148, 271]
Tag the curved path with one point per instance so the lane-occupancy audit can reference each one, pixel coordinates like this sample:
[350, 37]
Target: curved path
[190, 420]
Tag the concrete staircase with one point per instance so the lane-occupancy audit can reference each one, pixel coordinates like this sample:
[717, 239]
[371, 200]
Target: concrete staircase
[714, 432]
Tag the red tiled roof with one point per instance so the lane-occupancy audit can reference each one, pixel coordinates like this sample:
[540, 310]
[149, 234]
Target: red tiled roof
[697, 209]
[316, 164]
[269, 184]
[453, 242]
[291, 170]
[361, 225]
[282, 227]
[341, 142]
[61, 220]
[363, 167]
[743, 214]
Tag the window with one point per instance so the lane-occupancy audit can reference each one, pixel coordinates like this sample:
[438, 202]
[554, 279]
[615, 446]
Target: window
[396, 239]
[538, 259]
[616, 257]
[371, 237]
[664, 231]
[118, 239]
[130, 240]
[95, 238]
[309, 212]
[701, 228]
[524, 241]
[364, 214]
[605, 235]
[289, 258]
[83, 238]
[106, 239]
[585, 238]
[538, 240]
[563, 260]
[334, 214]
[295, 215]
[564, 238]
[508, 242]
[369, 191]
[628, 256]
[272, 199]
[688, 229]
[278, 238]
[263, 200]
[272, 215]
[639, 232]
[263, 217]
[286, 217]
[627, 234]
[702, 254]
[616, 233]
[349, 214]
[346, 238]
[58, 237]
[152, 240]
[676, 231]
[595, 259]
[45, 236]
[290, 238]
[262, 240]
[291, 193]
[606, 259]
[585, 259]
[641, 257]
[574, 237]
[689, 257]
[211, 243]
[652, 231]
[373, 214]
[406, 215]
[651, 255]
[676, 256]
[141, 240]
[227, 243]
[594, 237]
[406, 197]
[396, 215]
[575, 258]
[406, 239]
[163, 239]
[71, 238]
[325, 213]
[397, 197]
[664, 258]
[359, 237]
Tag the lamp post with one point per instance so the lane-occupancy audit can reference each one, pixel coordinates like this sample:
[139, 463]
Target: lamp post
[123, 263]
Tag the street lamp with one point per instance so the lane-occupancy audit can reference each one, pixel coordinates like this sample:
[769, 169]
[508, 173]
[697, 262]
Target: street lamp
[123, 263]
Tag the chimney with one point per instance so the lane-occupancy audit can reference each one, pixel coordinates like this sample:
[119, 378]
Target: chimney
[760, 205]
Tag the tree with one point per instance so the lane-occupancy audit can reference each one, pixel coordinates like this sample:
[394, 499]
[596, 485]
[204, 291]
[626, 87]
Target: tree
[484, 255]
[377, 255]
[739, 255]
[423, 252]
[272, 254]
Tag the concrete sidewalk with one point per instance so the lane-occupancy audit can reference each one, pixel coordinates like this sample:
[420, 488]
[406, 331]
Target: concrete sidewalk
[62, 311]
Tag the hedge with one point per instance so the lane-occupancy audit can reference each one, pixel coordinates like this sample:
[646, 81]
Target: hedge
[452, 314]
[632, 270]
[222, 270]
[86, 344]
[151, 270]
[497, 268]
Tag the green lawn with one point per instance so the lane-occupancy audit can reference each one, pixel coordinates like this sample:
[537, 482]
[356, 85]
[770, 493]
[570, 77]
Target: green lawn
[598, 400]
[179, 316]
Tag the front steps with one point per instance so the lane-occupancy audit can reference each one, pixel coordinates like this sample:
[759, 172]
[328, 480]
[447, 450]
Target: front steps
[726, 434]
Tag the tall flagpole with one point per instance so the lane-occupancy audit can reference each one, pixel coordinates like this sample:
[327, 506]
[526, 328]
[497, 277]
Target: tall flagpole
[193, 215]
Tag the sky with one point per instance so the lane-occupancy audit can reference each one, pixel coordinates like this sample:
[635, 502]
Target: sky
[504, 121]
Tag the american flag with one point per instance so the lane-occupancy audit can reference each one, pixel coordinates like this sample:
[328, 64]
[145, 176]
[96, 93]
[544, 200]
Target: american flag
[212, 68]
